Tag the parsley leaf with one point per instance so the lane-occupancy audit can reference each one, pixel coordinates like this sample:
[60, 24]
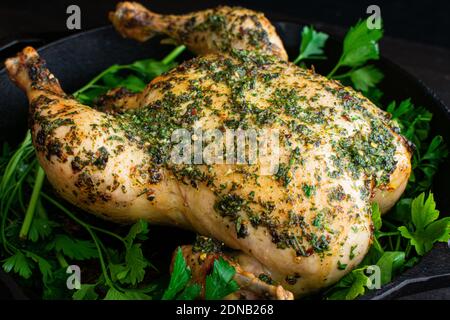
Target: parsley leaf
[350, 286]
[138, 230]
[150, 68]
[86, 292]
[40, 228]
[360, 45]
[357, 282]
[357, 288]
[114, 294]
[73, 248]
[119, 272]
[366, 77]
[190, 292]
[414, 122]
[56, 286]
[136, 264]
[374, 94]
[19, 263]
[180, 276]
[426, 165]
[133, 77]
[220, 282]
[44, 266]
[133, 270]
[402, 211]
[427, 229]
[389, 263]
[312, 44]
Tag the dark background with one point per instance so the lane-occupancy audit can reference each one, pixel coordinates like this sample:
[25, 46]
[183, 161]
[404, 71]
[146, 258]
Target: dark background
[423, 21]
[417, 32]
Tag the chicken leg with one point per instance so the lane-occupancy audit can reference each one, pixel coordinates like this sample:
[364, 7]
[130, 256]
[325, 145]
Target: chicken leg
[214, 30]
[85, 153]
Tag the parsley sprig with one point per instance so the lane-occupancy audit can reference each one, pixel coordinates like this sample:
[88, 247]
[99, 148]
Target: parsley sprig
[133, 77]
[360, 46]
[179, 280]
[218, 284]
[312, 44]
[392, 250]
[424, 228]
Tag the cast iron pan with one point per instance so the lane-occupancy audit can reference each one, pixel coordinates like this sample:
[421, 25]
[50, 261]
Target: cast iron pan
[77, 59]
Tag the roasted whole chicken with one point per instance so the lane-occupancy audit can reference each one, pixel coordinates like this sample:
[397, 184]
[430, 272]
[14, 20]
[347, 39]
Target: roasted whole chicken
[288, 234]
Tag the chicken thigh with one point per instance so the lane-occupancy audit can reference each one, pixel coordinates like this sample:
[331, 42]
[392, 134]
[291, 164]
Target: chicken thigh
[297, 227]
